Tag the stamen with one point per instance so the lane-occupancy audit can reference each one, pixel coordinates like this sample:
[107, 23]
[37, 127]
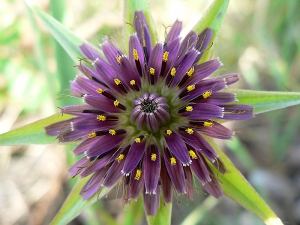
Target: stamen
[117, 81]
[208, 124]
[190, 72]
[112, 132]
[152, 71]
[132, 82]
[153, 157]
[137, 140]
[192, 154]
[101, 118]
[173, 71]
[189, 130]
[189, 108]
[92, 135]
[173, 161]
[118, 57]
[206, 94]
[120, 157]
[135, 55]
[169, 132]
[191, 87]
[100, 90]
[138, 174]
[116, 103]
[165, 56]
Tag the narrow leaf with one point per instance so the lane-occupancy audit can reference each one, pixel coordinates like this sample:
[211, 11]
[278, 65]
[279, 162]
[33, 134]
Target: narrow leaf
[212, 19]
[75, 204]
[236, 187]
[67, 39]
[130, 6]
[33, 133]
[265, 101]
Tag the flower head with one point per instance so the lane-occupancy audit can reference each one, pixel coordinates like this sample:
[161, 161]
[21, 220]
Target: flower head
[146, 115]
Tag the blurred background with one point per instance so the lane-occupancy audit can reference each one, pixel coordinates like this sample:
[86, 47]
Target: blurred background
[259, 39]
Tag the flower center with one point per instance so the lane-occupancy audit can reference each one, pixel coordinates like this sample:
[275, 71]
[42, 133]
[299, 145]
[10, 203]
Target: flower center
[150, 112]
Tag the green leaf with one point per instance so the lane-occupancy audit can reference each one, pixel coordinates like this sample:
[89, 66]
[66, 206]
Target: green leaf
[236, 187]
[163, 215]
[130, 6]
[75, 204]
[33, 133]
[265, 101]
[213, 19]
[67, 39]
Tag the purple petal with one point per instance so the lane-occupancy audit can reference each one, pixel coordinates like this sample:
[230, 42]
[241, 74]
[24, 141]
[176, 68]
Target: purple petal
[104, 144]
[85, 145]
[111, 53]
[204, 70]
[178, 148]
[183, 65]
[219, 98]
[204, 111]
[134, 43]
[93, 184]
[173, 49]
[230, 78]
[166, 184]
[113, 174]
[74, 168]
[215, 130]
[129, 73]
[203, 41]
[89, 52]
[188, 42]
[134, 156]
[102, 103]
[176, 174]
[189, 182]
[136, 185]
[151, 167]
[151, 202]
[200, 170]
[174, 31]
[141, 27]
[155, 61]
[237, 112]
[197, 92]
[200, 145]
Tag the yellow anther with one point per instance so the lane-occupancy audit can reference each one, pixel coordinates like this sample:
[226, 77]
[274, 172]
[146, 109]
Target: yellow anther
[173, 161]
[135, 55]
[112, 132]
[208, 124]
[191, 87]
[101, 118]
[137, 140]
[120, 157]
[116, 103]
[206, 94]
[118, 57]
[117, 81]
[100, 90]
[193, 154]
[190, 72]
[173, 71]
[189, 130]
[92, 135]
[165, 56]
[153, 157]
[152, 71]
[138, 174]
[169, 132]
[189, 108]
[132, 82]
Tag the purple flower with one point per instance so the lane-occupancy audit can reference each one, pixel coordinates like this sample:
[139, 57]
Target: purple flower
[146, 114]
